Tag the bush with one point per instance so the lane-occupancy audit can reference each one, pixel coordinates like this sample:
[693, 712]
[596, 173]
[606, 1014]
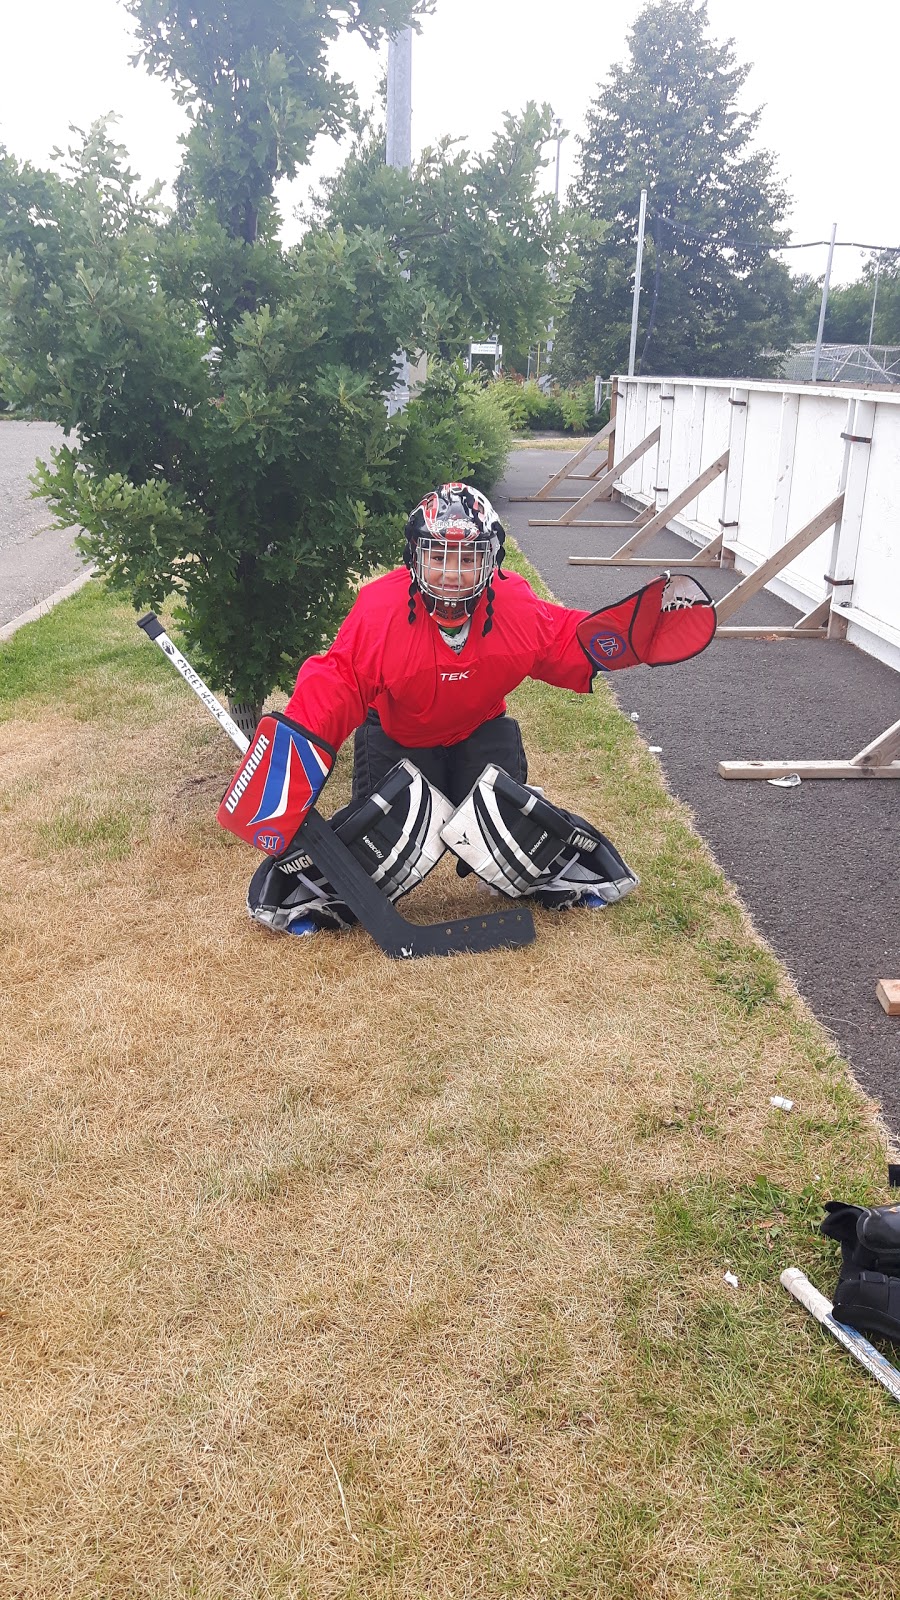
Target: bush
[458, 427]
[561, 410]
[577, 406]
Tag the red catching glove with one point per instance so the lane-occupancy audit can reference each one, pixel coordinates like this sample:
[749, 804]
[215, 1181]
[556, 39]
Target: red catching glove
[278, 781]
[670, 619]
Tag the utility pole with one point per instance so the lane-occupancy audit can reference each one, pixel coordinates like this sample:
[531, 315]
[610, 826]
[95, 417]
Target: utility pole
[558, 133]
[637, 282]
[399, 154]
[821, 328]
[399, 100]
[874, 298]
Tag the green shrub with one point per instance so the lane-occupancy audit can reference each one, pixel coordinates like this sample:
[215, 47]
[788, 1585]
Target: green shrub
[457, 427]
[511, 394]
[577, 408]
[561, 410]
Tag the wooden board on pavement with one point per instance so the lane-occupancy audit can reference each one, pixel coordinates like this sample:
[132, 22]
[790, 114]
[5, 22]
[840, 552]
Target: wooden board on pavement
[888, 992]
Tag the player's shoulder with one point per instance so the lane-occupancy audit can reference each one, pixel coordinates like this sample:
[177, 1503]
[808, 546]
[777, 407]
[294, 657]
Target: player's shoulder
[517, 588]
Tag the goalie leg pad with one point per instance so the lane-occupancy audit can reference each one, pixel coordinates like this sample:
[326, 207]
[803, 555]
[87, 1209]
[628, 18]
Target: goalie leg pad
[519, 843]
[589, 866]
[279, 896]
[396, 833]
[869, 1236]
[869, 1302]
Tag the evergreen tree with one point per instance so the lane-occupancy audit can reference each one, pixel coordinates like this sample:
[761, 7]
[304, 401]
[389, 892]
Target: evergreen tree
[713, 300]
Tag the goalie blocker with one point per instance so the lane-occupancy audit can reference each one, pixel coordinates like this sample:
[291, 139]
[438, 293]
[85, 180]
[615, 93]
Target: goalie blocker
[272, 791]
[519, 843]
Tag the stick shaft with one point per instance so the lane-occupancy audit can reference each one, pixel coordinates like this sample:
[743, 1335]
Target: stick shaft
[797, 1284]
[154, 630]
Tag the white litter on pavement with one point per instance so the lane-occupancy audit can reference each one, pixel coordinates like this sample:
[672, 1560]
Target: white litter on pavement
[789, 782]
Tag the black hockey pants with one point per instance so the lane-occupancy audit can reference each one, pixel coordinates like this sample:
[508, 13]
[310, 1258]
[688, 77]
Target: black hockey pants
[452, 768]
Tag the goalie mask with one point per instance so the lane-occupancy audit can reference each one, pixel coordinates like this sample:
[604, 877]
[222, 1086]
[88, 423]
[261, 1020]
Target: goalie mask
[454, 545]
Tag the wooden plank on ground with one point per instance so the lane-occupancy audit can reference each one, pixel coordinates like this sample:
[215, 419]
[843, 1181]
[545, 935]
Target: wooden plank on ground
[887, 991]
[804, 769]
[737, 632]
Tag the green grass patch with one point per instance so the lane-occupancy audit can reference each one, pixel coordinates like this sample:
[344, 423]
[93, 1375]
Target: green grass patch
[86, 656]
[108, 833]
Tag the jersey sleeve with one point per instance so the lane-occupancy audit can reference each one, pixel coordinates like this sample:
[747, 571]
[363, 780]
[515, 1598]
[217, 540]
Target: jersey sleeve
[559, 658]
[333, 691]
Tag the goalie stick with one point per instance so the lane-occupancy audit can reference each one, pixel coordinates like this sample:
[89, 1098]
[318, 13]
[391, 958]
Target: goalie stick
[399, 939]
[797, 1284]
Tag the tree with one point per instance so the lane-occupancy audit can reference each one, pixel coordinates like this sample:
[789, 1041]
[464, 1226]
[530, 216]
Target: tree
[848, 315]
[253, 76]
[713, 300]
[232, 440]
[238, 457]
[473, 233]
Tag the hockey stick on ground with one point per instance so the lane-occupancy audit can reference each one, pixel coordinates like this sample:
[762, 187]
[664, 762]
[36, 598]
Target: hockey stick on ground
[797, 1284]
[398, 938]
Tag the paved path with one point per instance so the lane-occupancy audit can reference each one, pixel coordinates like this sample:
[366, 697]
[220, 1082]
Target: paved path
[817, 866]
[35, 558]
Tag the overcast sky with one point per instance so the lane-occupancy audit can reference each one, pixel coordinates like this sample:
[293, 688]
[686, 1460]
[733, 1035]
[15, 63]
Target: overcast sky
[826, 79]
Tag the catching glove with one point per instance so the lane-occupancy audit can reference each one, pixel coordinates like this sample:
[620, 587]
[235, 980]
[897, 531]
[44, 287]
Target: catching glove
[670, 619]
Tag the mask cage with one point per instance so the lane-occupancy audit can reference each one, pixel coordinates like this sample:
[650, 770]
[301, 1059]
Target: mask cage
[447, 579]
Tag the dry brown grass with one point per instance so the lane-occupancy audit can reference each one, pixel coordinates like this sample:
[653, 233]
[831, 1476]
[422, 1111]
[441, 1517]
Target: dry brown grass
[326, 1276]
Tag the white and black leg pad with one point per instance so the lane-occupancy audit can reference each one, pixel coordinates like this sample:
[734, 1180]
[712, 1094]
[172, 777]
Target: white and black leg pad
[521, 844]
[396, 833]
[278, 896]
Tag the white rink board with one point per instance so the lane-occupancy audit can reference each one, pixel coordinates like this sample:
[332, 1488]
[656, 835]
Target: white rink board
[793, 460]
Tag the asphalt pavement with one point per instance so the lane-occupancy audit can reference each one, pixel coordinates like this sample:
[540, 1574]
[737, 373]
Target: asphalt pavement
[36, 559]
[817, 866]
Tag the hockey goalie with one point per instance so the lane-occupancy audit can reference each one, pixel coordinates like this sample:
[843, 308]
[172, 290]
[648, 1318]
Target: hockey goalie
[419, 673]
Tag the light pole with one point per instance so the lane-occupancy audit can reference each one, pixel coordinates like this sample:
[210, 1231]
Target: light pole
[824, 306]
[398, 153]
[637, 283]
[557, 132]
[874, 299]
[399, 101]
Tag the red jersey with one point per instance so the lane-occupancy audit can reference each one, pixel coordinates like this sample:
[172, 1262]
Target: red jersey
[424, 692]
